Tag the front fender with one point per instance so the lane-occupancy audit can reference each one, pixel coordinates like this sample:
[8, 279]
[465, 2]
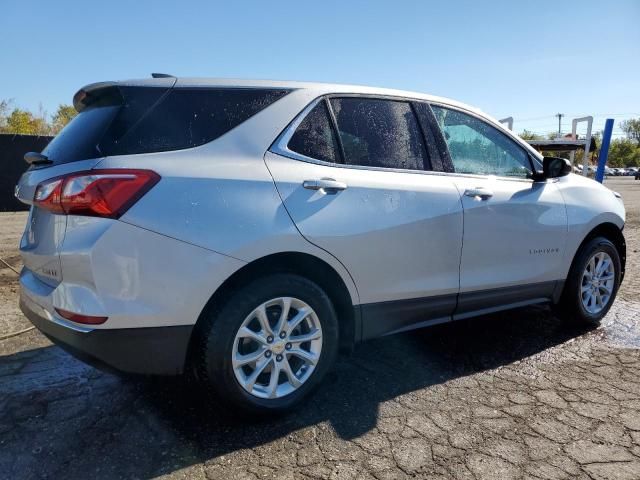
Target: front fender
[589, 205]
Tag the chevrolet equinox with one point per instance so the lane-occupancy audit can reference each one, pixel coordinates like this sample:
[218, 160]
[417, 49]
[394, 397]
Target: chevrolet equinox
[249, 230]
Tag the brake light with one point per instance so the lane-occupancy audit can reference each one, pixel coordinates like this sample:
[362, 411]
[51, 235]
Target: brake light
[98, 193]
[78, 318]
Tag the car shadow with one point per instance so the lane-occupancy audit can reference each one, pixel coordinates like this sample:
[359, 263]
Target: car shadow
[142, 427]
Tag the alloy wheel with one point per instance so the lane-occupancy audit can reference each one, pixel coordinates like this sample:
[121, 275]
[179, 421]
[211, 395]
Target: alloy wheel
[277, 348]
[598, 280]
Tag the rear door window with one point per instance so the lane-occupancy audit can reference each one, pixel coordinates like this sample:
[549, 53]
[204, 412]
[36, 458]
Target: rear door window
[315, 137]
[379, 133]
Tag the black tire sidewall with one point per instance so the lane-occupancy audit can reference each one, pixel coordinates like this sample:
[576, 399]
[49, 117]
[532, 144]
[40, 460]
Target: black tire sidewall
[571, 300]
[220, 335]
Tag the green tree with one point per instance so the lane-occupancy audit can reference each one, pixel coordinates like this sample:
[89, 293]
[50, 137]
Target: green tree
[527, 135]
[63, 115]
[624, 152]
[23, 122]
[632, 128]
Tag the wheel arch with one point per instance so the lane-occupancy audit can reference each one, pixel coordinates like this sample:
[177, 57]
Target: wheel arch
[611, 232]
[305, 265]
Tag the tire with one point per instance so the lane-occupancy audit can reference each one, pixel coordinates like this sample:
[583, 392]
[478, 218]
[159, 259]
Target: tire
[218, 344]
[571, 307]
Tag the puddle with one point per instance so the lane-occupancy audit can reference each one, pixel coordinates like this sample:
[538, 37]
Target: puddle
[621, 326]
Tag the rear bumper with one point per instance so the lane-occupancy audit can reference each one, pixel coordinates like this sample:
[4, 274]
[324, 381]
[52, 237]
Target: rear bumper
[150, 350]
[151, 287]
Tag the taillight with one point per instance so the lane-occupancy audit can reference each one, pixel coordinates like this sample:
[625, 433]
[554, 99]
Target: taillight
[96, 193]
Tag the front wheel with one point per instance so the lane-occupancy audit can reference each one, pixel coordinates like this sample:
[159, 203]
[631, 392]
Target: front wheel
[592, 284]
[270, 343]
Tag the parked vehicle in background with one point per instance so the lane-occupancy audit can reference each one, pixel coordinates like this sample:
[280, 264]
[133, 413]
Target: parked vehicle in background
[248, 230]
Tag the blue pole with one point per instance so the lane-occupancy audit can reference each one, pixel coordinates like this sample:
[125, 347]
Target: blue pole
[604, 149]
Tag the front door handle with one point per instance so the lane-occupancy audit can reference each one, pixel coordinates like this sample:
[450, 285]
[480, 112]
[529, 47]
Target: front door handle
[479, 192]
[325, 185]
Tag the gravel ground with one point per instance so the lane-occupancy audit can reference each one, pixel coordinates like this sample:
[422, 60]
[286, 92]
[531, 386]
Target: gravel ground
[513, 395]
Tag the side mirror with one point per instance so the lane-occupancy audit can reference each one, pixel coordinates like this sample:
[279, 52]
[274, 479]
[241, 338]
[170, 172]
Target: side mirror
[552, 167]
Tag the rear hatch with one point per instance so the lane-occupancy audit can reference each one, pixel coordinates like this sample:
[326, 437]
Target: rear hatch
[107, 112]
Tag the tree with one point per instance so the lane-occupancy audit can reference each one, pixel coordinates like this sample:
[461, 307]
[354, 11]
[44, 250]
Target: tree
[632, 128]
[624, 153]
[527, 135]
[63, 115]
[25, 123]
[4, 111]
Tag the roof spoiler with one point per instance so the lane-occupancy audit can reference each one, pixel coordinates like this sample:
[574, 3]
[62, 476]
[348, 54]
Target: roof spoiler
[104, 94]
[97, 94]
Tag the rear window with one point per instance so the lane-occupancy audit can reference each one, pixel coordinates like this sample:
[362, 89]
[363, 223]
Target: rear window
[155, 119]
[79, 139]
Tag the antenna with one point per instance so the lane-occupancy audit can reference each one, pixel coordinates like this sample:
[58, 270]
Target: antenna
[162, 75]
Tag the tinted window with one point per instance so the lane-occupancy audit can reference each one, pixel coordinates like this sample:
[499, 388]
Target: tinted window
[379, 133]
[79, 139]
[314, 137]
[190, 117]
[136, 102]
[152, 119]
[477, 147]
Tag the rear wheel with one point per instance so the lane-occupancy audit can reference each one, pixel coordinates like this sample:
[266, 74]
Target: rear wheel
[270, 344]
[592, 284]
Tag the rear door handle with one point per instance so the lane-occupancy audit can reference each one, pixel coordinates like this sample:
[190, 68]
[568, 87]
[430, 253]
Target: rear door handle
[482, 193]
[326, 185]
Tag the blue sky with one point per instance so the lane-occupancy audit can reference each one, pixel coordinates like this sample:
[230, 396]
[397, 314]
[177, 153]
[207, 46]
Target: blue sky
[508, 58]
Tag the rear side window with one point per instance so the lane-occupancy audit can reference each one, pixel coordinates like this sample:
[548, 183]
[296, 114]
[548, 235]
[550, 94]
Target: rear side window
[187, 118]
[315, 137]
[155, 119]
[379, 133]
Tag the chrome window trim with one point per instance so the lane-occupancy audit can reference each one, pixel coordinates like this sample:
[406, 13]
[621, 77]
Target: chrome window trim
[280, 146]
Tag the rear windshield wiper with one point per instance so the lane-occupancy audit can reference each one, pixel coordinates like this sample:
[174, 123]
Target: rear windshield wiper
[35, 158]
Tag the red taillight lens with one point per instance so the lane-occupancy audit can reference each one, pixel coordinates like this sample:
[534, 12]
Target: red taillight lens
[97, 193]
[78, 318]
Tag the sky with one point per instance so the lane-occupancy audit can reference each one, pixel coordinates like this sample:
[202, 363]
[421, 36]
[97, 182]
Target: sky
[509, 58]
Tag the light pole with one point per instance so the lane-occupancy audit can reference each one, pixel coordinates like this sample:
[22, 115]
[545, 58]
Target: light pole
[559, 115]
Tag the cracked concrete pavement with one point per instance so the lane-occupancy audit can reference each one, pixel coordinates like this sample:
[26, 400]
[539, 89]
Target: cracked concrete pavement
[512, 395]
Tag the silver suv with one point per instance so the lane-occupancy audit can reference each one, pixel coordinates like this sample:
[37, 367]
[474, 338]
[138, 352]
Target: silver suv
[249, 230]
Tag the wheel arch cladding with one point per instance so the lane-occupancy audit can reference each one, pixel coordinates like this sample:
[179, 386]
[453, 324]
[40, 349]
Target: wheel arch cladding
[302, 264]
